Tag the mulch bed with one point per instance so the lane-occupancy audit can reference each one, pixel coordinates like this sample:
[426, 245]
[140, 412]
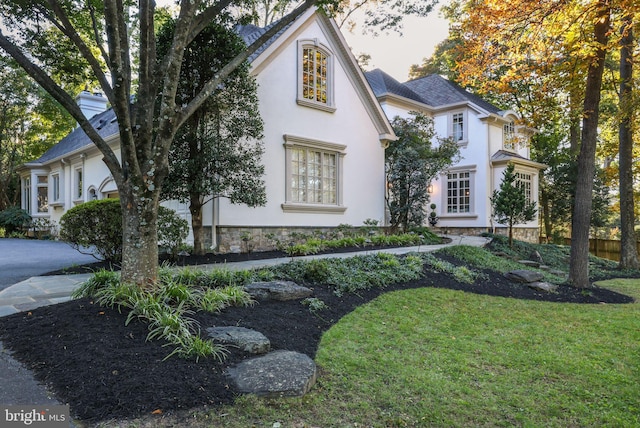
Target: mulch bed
[106, 370]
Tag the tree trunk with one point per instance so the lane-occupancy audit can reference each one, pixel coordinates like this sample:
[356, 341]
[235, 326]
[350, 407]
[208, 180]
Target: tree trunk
[628, 246]
[195, 207]
[579, 261]
[510, 234]
[140, 237]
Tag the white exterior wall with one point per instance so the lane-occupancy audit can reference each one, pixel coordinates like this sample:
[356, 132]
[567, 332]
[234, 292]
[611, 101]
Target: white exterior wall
[362, 178]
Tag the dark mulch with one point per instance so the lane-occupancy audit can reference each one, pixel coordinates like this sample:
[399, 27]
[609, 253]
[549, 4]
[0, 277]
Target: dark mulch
[106, 370]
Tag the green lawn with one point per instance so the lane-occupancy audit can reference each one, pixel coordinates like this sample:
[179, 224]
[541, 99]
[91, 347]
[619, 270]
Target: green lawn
[437, 357]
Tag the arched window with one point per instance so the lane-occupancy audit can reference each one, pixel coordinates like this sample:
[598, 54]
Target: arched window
[315, 75]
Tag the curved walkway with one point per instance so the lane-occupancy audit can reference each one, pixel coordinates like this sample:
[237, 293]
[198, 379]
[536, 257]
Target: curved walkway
[47, 290]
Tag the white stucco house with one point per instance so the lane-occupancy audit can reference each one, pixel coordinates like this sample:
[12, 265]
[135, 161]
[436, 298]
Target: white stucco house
[326, 127]
[488, 138]
[324, 139]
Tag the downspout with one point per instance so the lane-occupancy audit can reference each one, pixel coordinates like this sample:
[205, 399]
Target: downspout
[215, 213]
[491, 183]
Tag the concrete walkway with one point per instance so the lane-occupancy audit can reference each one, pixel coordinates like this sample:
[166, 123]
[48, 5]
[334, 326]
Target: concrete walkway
[47, 290]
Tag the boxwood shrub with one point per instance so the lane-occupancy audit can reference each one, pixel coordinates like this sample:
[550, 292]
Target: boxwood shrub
[97, 226]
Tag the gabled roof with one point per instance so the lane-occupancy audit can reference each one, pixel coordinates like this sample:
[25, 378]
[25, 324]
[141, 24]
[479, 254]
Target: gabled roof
[106, 125]
[438, 91]
[435, 91]
[250, 33]
[381, 84]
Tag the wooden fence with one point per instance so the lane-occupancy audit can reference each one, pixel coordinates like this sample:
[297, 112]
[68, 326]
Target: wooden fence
[605, 248]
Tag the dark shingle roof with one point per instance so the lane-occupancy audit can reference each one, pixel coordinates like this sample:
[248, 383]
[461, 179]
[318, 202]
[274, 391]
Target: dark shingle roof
[250, 33]
[381, 84]
[438, 91]
[104, 123]
[433, 90]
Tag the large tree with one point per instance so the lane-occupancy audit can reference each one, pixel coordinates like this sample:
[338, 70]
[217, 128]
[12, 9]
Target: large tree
[580, 221]
[412, 162]
[628, 240]
[116, 41]
[217, 152]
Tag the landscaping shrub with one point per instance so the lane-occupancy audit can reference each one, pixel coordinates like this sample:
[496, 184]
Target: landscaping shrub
[14, 219]
[98, 225]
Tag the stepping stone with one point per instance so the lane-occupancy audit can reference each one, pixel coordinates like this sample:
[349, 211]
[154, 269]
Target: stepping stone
[523, 276]
[543, 286]
[529, 263]
[277, 290]
[277, 374]
[247, 340]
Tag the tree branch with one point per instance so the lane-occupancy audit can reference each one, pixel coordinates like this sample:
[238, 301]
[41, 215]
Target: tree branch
[63, 98]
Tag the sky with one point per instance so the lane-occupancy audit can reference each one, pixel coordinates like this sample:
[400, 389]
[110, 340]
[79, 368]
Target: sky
[394, 54]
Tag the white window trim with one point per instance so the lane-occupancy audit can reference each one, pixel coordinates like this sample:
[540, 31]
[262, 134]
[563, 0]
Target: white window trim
[78, 198]
[292, 141]
[472, 214]
[465, 127]
[26, 194]
[38, 186]
[59, 200]
[329, 106]
[531, 177]
[513, 141]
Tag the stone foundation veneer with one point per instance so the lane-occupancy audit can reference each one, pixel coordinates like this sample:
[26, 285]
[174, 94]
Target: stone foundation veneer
[230, 238]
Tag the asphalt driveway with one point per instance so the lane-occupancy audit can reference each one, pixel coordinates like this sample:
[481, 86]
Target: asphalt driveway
[21, 259]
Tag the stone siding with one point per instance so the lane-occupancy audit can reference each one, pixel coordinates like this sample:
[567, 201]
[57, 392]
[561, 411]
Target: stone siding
[245, 239]
[531, 234]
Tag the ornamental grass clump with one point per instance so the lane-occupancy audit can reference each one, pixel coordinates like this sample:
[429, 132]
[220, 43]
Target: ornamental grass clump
[168, 309]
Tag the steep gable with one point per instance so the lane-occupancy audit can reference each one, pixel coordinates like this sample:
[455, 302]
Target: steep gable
[383, 84]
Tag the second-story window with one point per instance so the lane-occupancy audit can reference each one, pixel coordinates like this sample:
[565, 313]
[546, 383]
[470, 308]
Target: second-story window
[509, 136]
[458, 127]
[315, 85]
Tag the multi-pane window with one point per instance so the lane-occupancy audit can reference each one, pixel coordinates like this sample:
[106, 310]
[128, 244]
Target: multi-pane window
[26, 194]
[524, 181]
[457, 130]
[315, 74]
[509, 136]
[314, 176]
[43, 193]
[55, 184]
[458, 192]
[78, 184]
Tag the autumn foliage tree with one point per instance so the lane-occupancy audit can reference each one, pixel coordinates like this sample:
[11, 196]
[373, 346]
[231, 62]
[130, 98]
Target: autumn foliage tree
[545, 57]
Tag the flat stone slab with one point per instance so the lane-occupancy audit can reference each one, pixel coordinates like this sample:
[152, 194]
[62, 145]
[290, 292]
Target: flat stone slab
[277, 374]
[543, 286]
[523, 275]
[277, 290]
[248, 340]
[529, 263]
